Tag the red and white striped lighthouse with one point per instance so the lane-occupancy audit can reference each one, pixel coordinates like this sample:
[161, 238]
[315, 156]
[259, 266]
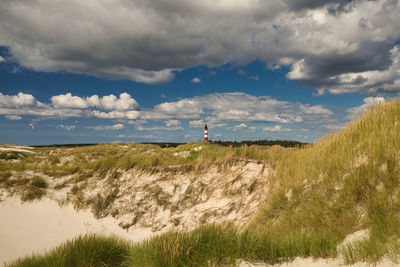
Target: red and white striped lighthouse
[205, 133]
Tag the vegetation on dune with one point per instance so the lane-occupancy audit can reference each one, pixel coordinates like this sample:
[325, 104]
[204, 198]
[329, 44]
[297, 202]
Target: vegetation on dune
[283, 143]
[343, 183]
[225, 245]
[74, 166]
[88, 250]
[320, 194]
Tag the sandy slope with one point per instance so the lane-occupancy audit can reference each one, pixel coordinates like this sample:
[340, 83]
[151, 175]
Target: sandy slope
[310, 262]
[40, 225]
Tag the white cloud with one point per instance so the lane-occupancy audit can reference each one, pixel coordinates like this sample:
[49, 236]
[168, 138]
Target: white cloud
[13, 117]
[214, 109]
[317, 110]
[67, 106]
[130, 114]
[238, 127]
[159, 128]
[255, 77]
[251, 129]
[196, 124]
[170, 123]
[334, 127]
[111, 102]
[118, 126]
[19, 100]
[355, 112]
[371, 81]
[276, 128]
[32, 125]
[236, 106]
[195, 80]
[242, 126]
[69, 101]
[2, 59]
[66, 127]
[211, 124]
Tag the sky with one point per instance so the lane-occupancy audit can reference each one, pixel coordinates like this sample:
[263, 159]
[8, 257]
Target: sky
[157, 71]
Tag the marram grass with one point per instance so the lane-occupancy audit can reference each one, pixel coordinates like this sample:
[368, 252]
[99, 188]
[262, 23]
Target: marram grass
[88, 251]
[206, 246]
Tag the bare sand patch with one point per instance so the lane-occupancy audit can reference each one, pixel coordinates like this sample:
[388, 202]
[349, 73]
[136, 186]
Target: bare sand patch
[16, 149]
[38, 226]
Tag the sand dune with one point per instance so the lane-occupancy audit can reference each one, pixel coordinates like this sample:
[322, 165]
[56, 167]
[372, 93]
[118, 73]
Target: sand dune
[40, 225]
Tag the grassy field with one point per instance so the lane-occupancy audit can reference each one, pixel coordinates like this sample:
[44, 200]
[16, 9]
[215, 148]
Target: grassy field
[320, 194]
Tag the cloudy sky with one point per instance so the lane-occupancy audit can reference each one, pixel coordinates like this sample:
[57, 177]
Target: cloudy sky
[151, 70]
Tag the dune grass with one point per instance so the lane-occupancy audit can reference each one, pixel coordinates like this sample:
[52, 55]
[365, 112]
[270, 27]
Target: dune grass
[88, 251]
[218, 245]
[206, 246]
[343, 183]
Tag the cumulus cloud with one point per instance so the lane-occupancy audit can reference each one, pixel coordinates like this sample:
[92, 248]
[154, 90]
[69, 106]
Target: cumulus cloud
[236, 106]
[211, 124]
[67, 106]
[306, 35]
[66, 127]
[355, 112]
[372, 81]
[238, 127]
[110, 102]
[2, 59]
[19, 100]
[216, 109]
[159, 128]
[131, 114]
[334, 127]
[13, 117]
[242, 126]
[170, 123]
[68, 101]
[276, 128]
[195, 80]
[118, 126]
[196, 124]
[32, 125]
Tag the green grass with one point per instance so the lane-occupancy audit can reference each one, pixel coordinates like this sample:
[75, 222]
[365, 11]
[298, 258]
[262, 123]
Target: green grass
[88, 250]
[342, 183]
[225, 245]
[12, 155]
[211, 244]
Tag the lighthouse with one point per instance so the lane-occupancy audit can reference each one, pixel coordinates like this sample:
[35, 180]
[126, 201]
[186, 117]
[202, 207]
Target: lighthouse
[205, 133]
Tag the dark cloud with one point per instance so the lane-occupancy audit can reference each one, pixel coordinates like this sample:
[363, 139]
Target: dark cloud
[334, 5]
[147, 40]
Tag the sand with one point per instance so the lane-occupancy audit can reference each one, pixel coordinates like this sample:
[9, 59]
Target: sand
[40, 225]
[310, 262]
[16, 149]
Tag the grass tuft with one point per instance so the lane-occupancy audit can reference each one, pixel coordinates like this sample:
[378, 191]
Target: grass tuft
[88, 250]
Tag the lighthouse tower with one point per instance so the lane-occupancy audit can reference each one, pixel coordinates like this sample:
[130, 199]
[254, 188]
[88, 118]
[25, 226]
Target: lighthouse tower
[205, 133]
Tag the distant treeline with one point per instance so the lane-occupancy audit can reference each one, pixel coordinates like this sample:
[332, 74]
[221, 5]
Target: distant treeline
[162, 145]
[284, 143]
[65, 145]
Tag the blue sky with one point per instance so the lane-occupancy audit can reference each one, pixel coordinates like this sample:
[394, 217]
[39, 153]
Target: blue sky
[254, 70]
